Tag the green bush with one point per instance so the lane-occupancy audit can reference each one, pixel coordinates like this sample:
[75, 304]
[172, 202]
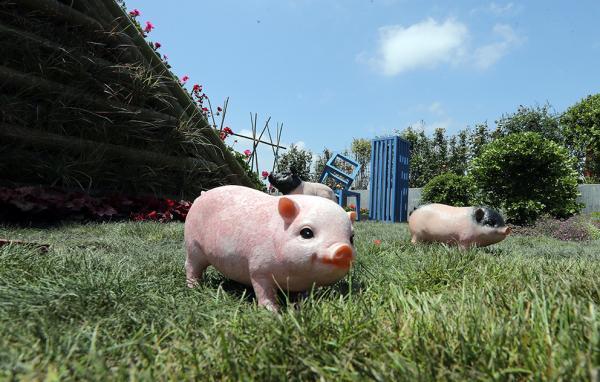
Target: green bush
[449, 188]
[581, 126]
[526, 176]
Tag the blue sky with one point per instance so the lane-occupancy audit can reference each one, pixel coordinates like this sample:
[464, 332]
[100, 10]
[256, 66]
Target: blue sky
[334, 70]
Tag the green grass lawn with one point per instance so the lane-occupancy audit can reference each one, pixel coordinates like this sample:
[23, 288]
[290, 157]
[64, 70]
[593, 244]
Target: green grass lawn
[109, 301]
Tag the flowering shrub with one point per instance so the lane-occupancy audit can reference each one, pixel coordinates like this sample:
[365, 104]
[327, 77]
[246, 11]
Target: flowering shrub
[364, 212]
[47, 204]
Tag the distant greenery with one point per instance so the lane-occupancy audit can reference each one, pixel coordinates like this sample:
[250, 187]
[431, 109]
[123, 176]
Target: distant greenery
[439, 154]
[536, 119]
[454, 190]
[526, 176]
[297, 161]
[581, 124]
[109, 302]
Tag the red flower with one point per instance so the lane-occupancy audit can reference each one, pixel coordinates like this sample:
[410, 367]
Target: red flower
[197, 88]
[157, 45]
[134, 13]
[227, 130]
[222, 135]
[184, 79]
[377, 242]
[352, 206]
[247, 152]
[149, 27]
[205, 109]
[265, 174]
[152, 214]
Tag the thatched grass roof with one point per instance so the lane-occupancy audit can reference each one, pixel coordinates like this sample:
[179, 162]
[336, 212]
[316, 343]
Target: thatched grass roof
[85, 102]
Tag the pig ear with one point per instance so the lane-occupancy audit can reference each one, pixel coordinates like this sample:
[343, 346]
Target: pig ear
[352, 216]
[287, 209]
[479, 213]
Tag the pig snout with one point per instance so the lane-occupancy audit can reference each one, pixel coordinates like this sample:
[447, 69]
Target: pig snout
[341, 256]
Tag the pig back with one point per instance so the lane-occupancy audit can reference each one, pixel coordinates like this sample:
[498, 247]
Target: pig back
[440, 222]
[227, 224]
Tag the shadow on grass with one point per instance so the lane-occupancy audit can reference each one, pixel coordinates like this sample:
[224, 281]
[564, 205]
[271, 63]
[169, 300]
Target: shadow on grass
[350, 284]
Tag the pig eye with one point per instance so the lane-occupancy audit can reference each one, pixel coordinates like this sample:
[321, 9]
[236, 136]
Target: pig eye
[307, 233]
[352, 239]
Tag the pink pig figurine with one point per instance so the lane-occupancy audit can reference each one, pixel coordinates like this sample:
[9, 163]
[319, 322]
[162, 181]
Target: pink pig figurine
[290, 242]
[463, 226]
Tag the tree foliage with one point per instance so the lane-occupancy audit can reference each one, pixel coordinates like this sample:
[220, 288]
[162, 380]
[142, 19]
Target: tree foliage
[361, 150]
[297, 161]
[581, 128]
[526, 176]
[320, 163]
[537, 119]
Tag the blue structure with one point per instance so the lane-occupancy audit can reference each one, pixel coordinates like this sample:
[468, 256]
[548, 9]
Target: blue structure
[388, 191]
[343, 179]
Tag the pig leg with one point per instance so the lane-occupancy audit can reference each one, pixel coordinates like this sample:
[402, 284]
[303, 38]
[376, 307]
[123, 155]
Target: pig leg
[264, 288]
[195, 264]
[415, 240]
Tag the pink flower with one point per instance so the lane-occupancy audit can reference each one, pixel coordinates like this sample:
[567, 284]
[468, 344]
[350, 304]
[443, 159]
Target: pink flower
[377, 242]
[157, 45]
[149, 27]
[184, 79]
[247, 152]
[265, 174]
[134, 13]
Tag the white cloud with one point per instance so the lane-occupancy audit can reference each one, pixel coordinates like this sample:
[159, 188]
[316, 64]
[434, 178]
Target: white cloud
[487, 55]
[500, 9]
[428, 44]
[425, 44]
[436, 108]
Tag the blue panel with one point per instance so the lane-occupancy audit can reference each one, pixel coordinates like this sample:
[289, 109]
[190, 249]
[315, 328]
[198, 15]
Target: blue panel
[389, 179]
[371, 171]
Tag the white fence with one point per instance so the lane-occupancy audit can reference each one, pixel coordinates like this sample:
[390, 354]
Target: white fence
[589, 196]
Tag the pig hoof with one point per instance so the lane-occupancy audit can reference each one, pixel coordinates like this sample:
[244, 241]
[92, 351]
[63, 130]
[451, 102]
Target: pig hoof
[272, 308]
[192, 283]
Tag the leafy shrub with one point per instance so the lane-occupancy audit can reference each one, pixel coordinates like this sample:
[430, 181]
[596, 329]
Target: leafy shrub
[581, 127]
[449, 188]
[526, 176]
